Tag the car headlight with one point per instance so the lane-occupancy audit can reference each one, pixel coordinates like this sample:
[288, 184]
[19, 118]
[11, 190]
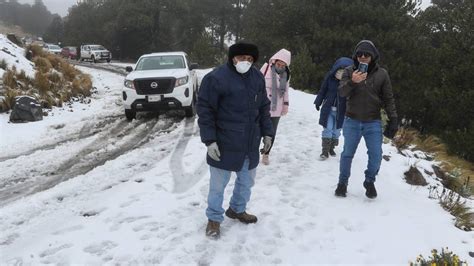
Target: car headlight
[181, 81]
[129, 84]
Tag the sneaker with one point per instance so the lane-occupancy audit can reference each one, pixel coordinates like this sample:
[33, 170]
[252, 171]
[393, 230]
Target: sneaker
[242, 217]
[341, 190]
[213, 230]
[265, 159]
[370, 190]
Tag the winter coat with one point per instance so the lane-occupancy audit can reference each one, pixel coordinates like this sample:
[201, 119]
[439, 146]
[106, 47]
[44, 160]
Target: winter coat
[366, 99]
[328, 94]
[234, 111]
[285, 56]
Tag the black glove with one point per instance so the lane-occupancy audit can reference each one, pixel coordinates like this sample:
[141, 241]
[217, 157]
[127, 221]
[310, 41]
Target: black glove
[317, 107]
[391, 128]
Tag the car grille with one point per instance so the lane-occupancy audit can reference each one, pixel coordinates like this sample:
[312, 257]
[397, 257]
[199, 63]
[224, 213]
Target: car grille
[144, 86]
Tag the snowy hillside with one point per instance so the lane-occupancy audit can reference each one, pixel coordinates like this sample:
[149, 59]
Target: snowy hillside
[123, 192]
[14, 56]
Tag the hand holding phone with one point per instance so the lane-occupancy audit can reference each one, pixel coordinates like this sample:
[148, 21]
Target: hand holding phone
[363, 67]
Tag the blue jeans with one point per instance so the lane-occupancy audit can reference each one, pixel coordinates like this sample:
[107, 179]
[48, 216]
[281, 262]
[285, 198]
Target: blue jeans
[352, 131]
[241, 195]
[330, 131]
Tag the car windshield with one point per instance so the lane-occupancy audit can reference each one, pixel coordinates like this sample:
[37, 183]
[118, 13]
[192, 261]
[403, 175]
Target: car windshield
[97, 47]
[161, 62]
[54, 47]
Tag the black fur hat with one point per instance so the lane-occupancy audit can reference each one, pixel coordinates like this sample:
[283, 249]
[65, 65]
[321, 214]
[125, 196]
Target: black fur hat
[243, 48]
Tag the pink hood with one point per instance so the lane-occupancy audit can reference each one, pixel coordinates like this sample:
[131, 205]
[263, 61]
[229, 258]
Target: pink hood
[283, 55]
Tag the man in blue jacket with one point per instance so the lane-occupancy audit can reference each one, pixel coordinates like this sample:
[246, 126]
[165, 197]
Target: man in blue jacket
[234, 114]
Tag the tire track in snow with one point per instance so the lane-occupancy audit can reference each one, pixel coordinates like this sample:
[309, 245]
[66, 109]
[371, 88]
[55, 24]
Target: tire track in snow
[86, 131]
[185, 180]
[105, 148]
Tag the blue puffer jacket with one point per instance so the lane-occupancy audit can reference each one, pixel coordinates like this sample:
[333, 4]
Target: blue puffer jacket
[234, 111]
[328, 94]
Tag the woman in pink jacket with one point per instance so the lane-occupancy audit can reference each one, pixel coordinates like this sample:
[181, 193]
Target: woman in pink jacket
[277, 76]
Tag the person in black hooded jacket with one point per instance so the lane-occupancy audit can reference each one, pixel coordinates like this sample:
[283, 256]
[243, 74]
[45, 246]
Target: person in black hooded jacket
[367, 92]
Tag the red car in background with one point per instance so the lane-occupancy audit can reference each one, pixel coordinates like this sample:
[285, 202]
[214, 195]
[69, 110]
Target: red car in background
[69, 52]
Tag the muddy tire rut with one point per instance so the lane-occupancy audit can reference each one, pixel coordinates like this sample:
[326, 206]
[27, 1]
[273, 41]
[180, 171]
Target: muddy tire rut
[117, 137]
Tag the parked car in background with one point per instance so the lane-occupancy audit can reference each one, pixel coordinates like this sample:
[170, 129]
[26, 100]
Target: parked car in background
[95, 52]
[52, 48]
[161, 81]
[69, 52]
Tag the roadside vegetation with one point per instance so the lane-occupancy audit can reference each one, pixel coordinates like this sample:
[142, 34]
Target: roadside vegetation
[55, 82]
[455, 175]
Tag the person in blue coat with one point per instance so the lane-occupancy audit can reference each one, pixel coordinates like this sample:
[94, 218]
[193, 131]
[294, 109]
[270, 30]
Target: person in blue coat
[333, 107]
[234, 115]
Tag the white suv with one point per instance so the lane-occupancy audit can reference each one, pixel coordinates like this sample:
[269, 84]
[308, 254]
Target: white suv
[160, 81]
[95, 53]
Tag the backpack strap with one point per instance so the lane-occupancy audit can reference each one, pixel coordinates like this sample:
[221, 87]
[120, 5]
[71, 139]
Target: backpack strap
[266, 69]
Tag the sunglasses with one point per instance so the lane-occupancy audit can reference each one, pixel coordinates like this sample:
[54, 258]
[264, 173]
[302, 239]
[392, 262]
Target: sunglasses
[365, 54]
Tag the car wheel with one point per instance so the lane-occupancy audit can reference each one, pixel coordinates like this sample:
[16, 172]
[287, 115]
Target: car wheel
[190, 111]
[130, 114]
[108, 60]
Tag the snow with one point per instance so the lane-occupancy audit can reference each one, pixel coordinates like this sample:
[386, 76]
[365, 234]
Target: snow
[14, 56]
[144, 200]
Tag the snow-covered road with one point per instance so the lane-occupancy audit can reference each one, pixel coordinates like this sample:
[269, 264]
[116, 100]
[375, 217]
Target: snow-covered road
[110, 191]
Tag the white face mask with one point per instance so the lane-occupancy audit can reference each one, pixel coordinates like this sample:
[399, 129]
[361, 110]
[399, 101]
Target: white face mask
[243, 66]
[339, 73]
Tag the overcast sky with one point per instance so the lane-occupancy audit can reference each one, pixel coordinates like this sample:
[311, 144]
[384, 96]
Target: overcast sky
[55, 6]
[61, 6]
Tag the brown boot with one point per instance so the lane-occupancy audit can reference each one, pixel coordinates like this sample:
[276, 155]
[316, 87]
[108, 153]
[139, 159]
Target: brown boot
[242, 217]
[213, 229]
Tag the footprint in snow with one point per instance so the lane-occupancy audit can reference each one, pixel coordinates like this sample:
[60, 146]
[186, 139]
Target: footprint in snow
[101, 248]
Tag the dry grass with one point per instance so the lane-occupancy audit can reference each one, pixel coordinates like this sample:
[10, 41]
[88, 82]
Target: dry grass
[450, 164]
[9, 100]
[42, 64]
[456, 205]
[404, 138]
[69, 72]
[42, 83]
[82, 85]
[55, 81]
[36, 50]
[9, 80]
[55, 61]
[462, 170]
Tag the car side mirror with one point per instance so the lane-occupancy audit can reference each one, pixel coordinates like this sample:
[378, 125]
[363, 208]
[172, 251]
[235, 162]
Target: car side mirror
[128, 69]
[193, 66]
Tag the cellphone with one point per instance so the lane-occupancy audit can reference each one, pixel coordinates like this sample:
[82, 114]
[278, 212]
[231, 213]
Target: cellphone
[363, 67]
